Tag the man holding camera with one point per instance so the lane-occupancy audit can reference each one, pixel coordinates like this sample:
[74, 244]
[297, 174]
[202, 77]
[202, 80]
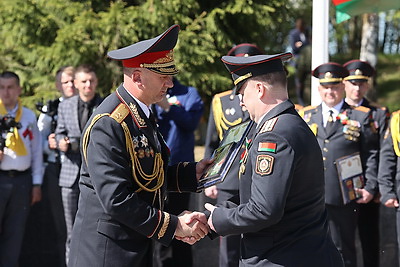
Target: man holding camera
[20, 167]
[47, 123]
[73, 113]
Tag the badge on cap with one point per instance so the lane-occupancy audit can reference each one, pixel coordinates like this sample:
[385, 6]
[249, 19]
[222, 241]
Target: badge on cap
[264, 164]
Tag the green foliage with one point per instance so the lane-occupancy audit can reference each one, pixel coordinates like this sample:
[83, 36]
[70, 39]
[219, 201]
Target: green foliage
[40, 36]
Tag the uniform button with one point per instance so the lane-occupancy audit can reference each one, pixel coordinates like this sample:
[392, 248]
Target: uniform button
[325, 149]
[326, 141]
[324, 158]
[324, 168]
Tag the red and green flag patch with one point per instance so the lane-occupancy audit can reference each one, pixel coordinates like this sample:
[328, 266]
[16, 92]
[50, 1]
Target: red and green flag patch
[267, 147]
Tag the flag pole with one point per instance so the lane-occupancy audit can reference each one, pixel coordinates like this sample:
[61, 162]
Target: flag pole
[320, 40]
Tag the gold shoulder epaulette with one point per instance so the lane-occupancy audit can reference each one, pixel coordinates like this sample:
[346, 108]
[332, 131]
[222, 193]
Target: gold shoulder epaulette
[362, 109]
[120, 113]
[308, 108]
[223, 93]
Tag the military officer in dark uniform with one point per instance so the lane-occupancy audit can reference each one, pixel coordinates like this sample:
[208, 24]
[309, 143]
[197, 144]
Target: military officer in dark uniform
[280, 210]
[389, 169]
[342, 131]
[356, 86]
[226, 112]
[125, 171]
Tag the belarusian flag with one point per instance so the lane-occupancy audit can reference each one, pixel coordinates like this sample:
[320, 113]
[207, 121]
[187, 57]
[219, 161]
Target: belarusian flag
[347, 8]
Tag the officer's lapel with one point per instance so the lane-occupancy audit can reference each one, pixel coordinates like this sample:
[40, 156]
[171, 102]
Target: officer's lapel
[139, 118]
[337, 123]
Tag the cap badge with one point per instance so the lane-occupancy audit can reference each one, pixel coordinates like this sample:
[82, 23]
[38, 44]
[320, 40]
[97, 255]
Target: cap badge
[358, 72]
[328, 75]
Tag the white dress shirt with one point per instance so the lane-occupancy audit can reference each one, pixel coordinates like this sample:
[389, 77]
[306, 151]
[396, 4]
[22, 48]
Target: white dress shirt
[32, 139]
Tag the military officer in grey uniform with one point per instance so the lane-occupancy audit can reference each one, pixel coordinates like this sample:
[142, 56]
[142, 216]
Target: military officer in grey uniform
[389, 168]
[226, 112]
[342, 131]
[356, 86]
[125, 172]
[280, 211]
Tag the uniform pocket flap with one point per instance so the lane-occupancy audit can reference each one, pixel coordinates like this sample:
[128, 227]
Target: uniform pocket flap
[112, 230]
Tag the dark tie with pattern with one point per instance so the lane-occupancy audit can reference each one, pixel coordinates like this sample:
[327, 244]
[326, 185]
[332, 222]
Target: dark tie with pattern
[153, 122]
[85, 115]
[330, 122]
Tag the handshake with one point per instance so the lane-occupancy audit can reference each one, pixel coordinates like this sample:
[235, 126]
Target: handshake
[193, 226]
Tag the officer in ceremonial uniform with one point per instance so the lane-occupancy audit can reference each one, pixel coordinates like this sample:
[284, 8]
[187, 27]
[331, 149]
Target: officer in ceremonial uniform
[389, 169]
[342, 131]
[226, 112]
[280, 211]
[125, 172]
[356, 86]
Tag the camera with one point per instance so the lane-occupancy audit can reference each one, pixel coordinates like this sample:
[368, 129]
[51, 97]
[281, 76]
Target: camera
[7, 123]
[74, 143]
[50, 109]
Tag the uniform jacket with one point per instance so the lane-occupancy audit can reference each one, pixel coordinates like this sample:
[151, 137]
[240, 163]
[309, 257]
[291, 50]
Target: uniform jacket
[334, 145]
[177, 126]
[68, 126]
[224, 113]
[380, 117]
[119, 213]
[389, 167]
[281, 211]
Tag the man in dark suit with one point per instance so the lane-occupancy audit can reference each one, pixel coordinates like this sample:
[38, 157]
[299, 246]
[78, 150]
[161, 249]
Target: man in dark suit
[73, 114]
[356, 86]
[125, 172]
[299, 40]
[389, 169]
[226, 112]
[280, 211]
[342, 131]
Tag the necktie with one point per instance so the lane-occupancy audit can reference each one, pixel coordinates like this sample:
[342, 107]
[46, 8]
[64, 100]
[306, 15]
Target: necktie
[330, 122]
[153, 122]
[85, 115]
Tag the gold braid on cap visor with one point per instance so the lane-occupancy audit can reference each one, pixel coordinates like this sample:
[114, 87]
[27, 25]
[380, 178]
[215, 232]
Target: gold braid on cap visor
[330, 80]
[241, 78]
[356, 77]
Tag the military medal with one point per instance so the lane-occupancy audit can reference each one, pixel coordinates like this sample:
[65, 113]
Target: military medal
[144, 141]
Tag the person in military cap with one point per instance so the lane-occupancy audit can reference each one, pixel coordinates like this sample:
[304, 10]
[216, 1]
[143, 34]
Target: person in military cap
[280, 211]
[342, 132]
[125, 172]
[226, 112]
[389, 168]
[356, 86]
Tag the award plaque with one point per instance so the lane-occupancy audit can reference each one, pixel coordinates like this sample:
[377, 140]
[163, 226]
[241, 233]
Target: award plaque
[350, 176]
[225, 155]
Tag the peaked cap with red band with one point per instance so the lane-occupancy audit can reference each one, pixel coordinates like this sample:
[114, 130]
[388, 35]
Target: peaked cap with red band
[243, 68]
[330, 73]
[155, 54]
[358, 70]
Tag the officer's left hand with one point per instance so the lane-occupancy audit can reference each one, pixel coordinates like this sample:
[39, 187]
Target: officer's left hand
[365, 195]
[36, 194]
[201, 166]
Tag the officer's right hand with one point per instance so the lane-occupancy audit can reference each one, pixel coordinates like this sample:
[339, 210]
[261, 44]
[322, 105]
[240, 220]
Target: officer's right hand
[211, 192]
[52, 141]
[392, 203]
[63, 145]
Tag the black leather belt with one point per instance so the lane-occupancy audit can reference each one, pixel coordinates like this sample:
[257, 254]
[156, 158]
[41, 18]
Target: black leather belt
[14, 173]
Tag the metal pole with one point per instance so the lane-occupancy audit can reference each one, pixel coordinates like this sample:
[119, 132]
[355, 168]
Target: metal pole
[320, 40]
